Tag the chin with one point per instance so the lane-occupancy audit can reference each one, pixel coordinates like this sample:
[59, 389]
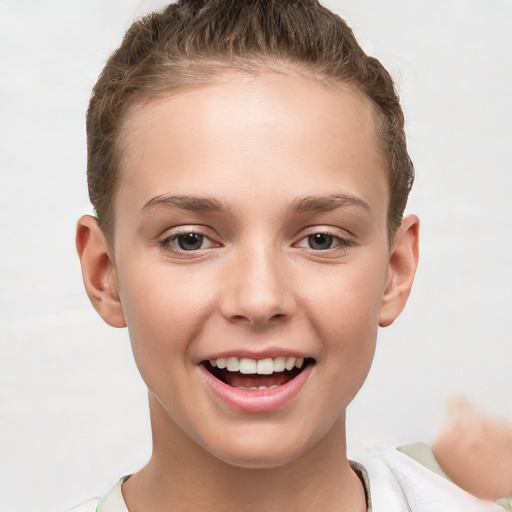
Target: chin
[261, 451]
[256, 460]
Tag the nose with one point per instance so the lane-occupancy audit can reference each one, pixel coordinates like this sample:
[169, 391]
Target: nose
[256, 289]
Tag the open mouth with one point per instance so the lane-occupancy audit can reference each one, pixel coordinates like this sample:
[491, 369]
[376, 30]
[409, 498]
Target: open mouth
[261, 374]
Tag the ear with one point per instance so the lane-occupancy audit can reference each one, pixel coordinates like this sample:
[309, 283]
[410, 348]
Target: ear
[98, 271]
[403, 261]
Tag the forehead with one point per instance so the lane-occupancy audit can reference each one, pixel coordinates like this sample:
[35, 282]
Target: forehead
[281, 132]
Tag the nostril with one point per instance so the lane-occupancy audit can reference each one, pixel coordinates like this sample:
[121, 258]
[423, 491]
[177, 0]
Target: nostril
[257, 320]
[239, 319]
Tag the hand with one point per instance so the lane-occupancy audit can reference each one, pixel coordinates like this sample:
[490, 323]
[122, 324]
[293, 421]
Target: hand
[475, 451]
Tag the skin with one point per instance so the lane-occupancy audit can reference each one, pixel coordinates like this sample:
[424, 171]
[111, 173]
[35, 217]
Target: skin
[255, 146]
[475, 449]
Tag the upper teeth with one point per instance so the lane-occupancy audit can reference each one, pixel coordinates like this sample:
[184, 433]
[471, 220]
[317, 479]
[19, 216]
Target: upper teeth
[260, 366]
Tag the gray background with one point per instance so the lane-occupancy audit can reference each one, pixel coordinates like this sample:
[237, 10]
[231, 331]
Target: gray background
[73, 413]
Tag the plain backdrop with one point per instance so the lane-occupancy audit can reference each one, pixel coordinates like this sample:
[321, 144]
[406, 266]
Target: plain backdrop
[73, 413]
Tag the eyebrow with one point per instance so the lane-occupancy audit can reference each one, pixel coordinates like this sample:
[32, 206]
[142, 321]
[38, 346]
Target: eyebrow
[299, 205]
[193, 203]
[326, 203]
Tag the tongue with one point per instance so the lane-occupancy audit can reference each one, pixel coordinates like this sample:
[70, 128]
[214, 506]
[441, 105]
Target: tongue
[237, 379]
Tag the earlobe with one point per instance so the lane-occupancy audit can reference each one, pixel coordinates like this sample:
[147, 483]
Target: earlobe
[98, 271]
[403, 261]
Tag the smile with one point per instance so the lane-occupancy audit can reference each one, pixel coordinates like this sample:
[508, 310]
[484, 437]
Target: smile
[256, 374]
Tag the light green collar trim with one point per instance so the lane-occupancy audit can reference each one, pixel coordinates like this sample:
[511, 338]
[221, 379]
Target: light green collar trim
[113, 500]
[506, 503]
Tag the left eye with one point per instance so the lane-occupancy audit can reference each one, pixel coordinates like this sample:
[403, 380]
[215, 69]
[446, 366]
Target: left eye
[322, 242]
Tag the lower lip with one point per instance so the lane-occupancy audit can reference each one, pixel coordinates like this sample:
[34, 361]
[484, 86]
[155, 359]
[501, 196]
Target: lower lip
[256, 401]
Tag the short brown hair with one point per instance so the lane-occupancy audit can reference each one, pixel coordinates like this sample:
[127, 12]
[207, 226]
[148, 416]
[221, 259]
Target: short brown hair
[194, 41]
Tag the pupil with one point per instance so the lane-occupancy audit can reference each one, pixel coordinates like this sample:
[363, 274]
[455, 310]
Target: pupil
[190, 241]
[320, 241]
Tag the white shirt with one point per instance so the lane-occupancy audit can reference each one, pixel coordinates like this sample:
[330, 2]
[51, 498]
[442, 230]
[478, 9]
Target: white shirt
[394, 482]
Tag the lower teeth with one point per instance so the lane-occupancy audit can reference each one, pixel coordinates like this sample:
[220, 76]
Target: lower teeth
[258, 388]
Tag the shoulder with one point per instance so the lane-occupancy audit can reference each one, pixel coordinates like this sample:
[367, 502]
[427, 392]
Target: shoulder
[88, 506]
[111, 501]
[398, 483]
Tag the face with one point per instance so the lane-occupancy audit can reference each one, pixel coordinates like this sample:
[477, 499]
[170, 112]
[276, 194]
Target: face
[252, 262]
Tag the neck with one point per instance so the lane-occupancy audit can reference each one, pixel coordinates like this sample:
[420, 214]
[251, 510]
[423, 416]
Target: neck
[182, 475]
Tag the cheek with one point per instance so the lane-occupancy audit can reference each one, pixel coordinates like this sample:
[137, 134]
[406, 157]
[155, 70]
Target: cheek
[346, 301]
[164, 311]
[343, 312]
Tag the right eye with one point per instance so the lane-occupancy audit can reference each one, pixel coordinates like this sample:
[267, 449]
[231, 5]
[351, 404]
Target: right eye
[187, 241]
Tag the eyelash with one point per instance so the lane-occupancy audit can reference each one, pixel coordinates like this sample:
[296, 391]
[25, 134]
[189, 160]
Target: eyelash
[166, 243]
[342, 242]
